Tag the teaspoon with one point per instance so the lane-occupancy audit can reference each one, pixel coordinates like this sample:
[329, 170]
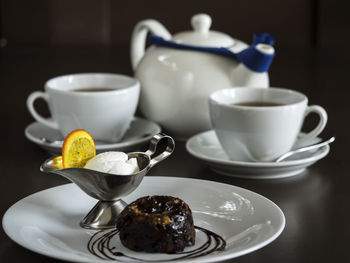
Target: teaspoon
[304, 149]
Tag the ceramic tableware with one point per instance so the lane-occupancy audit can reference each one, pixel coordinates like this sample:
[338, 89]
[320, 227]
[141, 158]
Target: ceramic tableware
[135, 138]
[47, 222]
[102, 104]
[259, 125]
[178, 72]
[205, 146]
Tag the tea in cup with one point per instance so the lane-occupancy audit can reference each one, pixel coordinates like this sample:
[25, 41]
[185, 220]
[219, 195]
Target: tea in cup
[259, 125]
[101, 103]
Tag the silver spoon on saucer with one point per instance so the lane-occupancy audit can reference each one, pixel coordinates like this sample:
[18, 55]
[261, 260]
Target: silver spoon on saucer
[304, 149]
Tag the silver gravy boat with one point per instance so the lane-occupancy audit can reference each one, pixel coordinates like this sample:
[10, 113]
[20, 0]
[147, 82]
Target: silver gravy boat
[110, 188]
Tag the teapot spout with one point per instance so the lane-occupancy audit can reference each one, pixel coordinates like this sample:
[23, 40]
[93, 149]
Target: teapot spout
[244, 77]
[255, 62]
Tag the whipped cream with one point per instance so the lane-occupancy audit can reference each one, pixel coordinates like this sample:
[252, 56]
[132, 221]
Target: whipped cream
[113, 163]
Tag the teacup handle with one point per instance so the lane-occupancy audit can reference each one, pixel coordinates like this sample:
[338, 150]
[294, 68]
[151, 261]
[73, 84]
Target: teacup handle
[30, 105]
[302, 139]
[153, 146]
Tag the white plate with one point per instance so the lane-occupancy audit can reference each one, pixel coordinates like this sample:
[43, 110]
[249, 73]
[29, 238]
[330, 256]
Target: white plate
[47, 222]
[206, 147]
[139, 134]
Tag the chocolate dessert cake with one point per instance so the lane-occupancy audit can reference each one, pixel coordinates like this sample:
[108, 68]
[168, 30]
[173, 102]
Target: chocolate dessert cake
[157, 224]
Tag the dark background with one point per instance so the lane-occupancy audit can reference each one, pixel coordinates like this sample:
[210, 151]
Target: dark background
[294, 23]
[311, 30]
[41, 39]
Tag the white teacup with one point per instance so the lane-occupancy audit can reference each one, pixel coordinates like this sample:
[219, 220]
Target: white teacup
[255, 124]
[101, 103]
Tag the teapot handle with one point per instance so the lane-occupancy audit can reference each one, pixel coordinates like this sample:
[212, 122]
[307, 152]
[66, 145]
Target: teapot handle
[138, 39]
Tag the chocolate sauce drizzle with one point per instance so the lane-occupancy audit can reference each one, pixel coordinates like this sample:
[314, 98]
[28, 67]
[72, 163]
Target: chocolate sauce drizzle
[100, 246]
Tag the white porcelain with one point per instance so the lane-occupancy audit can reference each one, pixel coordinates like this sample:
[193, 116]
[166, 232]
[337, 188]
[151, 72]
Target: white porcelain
[138, 135]
[206, 147]
[47, 222]
[105, 115]
[176, 83]
[258, 134]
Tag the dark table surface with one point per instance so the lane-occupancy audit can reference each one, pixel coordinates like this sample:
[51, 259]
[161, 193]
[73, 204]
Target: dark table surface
[315, 203]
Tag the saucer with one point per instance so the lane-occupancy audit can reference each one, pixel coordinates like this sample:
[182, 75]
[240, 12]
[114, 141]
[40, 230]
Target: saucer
[47, 222]
[138, 135]
[206, 147]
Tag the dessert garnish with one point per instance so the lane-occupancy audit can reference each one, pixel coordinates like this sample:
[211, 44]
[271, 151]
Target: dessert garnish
[57, 162]
[113, 163]
[78, 148]
[79, 151]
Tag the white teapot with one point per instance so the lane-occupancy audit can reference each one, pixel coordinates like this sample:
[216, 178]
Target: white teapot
[177, 73]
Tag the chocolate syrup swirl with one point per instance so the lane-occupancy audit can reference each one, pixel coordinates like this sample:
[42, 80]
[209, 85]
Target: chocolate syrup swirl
[100, 246]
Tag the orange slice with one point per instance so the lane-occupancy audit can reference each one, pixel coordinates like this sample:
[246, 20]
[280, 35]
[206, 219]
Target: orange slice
[57, 162]
[78, 148]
